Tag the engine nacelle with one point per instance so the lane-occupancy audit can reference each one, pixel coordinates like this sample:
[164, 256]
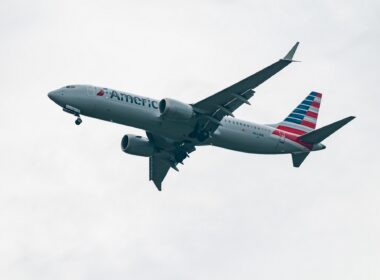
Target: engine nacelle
[137, 145]
[175, 110]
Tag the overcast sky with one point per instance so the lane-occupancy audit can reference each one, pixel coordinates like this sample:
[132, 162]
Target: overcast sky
[73, 206]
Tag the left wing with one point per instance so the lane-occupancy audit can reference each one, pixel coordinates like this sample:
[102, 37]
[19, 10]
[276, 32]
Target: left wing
[214, 108]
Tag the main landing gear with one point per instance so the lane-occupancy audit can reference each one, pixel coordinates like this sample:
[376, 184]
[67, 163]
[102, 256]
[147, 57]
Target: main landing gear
[201, 136]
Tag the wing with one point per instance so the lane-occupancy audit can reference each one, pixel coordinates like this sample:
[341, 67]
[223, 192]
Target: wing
[214, 108]
[168, 154]
[158, 168]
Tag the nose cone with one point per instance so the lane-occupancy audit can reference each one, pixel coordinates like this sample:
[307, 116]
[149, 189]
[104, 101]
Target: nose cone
[57, 97]
[51, 95]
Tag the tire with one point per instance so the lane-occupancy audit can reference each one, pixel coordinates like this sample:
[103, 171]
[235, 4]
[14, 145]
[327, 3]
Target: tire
[202, 136]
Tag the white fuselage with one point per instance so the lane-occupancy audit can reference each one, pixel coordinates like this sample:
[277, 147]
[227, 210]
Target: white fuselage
[143, 113]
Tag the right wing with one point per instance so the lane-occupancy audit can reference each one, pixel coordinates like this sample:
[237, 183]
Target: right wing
[214, 108]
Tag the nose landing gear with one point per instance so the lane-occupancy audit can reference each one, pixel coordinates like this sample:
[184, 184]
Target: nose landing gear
[78, 121]
[74, 111]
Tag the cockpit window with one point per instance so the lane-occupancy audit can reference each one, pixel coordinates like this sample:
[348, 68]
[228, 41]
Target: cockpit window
[70, 86]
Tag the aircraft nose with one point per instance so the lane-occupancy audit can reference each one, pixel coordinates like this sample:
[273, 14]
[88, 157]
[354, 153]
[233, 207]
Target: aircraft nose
[56, 96]
[50, 95]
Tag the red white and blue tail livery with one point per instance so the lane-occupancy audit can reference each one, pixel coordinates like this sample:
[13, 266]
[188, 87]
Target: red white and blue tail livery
[304, 117]
[302, 120]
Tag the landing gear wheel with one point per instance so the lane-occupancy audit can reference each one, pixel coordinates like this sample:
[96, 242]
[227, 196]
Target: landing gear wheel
[203, 136]
[78, 121]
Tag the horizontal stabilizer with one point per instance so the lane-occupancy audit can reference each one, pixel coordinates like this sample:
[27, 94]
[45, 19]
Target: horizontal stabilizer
[298, 158]
[322, 133]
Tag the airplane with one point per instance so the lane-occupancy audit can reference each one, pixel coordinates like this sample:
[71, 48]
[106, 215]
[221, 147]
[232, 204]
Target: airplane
[174, 129]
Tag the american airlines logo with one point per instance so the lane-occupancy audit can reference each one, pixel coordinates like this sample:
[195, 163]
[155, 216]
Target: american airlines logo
[113, 94]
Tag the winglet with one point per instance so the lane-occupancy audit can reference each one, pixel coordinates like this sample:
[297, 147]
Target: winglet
[289, 56]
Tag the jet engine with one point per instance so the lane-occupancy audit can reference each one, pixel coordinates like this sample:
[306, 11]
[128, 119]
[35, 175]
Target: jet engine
[175, 110]
[137, 145]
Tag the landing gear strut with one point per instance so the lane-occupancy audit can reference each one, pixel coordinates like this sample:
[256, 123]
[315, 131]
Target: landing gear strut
[74, 111]
[78, 121]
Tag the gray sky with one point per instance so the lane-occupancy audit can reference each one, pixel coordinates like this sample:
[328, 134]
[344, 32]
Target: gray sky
[73, 206]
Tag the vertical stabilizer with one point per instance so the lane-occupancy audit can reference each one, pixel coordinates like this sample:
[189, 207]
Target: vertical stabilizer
[303, 119]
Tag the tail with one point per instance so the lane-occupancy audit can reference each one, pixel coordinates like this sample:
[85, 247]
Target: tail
[300, 125]
[303, 119]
